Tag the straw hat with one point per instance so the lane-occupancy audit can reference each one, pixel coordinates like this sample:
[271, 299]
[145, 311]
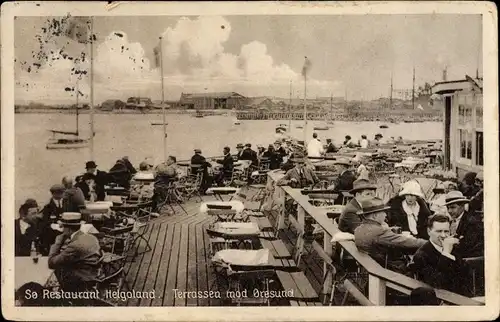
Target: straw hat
[455, 196]
[412, 188]
[371, 206]
[361, 184]
[239, 145]
[70, 219]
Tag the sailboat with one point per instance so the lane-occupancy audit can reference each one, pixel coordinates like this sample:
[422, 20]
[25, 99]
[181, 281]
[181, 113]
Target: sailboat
[69, 140]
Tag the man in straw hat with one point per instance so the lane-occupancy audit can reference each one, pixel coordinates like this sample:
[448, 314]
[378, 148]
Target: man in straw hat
[75, 255]
[436, 262]
[350, 219]
[465, 226]
[299, 176]
[409, 211]
[375, 238]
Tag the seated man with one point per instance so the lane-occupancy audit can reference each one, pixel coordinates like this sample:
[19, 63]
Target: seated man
[299, 176]
[75, 256]
[345, 180]
[120, 174]
[435, 262]
[25, 228]
[86, 184]
[375, 238]
[274, 157]
[198, 159]
[73, 197]
[166, 172]
[51, 213]
[465, 226]
[101, 178]
[330, 147]
[227, 166]
[350, 219]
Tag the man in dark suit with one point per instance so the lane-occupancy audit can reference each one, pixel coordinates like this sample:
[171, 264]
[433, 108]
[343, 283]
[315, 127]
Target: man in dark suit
[465, 226]
[101, 179]
[199, 160]
[25, 229]
[227, 166]
[344, 181]
[51, 213]
[84, 183]
[350, 218]
[73, 197]
[437, 264]
[239, 151]
[250, 155]
[375, 238]
[330, 147]
[75, 256]
[273, 156]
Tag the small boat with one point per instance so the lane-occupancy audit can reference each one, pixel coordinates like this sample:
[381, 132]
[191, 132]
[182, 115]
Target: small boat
[158, 123]
[236, 121]
[281, 128]
[383, 126]
[199, 114]
[321, 128]
[299, 127]
[66, 143]
[71, 140]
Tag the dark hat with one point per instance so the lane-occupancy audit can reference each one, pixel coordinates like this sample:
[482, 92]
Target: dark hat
[31, 203]
[379, 135]
[371, 206]
[197, 151]
[90, 165]
[248, 145]
[239, 145]
[455, 196]
[270, 146]
[70, 219]
[57, 188]
[328, 140]
[88, 176]
[227, 148]
[362, 184]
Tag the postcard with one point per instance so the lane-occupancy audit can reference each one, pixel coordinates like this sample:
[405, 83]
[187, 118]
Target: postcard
[243, 161]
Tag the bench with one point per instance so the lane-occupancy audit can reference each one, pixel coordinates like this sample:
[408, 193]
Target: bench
[263, 223]
[277, 247]
[303, 292]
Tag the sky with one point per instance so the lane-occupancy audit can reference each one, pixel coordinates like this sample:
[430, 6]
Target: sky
[351, 55]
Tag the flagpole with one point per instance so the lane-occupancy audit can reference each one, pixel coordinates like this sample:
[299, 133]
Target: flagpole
[163, 103]
[305, 107]
[91, 88]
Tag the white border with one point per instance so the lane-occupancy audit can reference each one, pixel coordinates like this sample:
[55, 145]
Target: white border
[55, 8]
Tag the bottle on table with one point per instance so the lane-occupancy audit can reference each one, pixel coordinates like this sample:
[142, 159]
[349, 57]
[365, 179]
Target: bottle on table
[34, 253]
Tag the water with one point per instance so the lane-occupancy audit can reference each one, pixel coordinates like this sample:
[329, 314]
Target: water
[118, 135]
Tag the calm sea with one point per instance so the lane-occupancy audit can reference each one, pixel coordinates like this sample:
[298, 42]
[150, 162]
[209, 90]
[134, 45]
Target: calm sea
[118, 135]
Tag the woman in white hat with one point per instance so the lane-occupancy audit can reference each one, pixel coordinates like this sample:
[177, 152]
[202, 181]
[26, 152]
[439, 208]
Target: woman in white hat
[409, 211]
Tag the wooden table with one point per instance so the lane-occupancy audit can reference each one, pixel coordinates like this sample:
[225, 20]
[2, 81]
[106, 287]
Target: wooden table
[25, 271]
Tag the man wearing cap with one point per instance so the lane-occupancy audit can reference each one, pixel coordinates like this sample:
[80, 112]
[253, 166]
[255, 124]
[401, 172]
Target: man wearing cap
[227, 166]
[299, 176]
[409, 211]
[375, 238]
[350, 219]
[100, 179]
[25, 228]
[465, 226]
[436, 262]
[75, 255]
[51, 213]
[315, 147]
[378, 139]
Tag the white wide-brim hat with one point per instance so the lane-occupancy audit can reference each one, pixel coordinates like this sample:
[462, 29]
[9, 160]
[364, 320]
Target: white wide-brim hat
[412, 188]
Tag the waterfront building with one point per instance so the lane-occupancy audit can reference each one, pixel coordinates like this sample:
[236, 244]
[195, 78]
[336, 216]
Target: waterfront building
[212, 101]
[462, 102]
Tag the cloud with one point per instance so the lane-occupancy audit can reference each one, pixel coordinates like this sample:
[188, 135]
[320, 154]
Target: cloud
[194, 59]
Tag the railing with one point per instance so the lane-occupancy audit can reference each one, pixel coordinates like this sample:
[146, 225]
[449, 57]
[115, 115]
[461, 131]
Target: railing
[379, 278]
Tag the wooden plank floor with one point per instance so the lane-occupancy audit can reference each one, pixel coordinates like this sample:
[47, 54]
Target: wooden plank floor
[179, 260]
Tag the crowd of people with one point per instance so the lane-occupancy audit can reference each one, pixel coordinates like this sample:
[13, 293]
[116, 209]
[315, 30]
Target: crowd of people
[428, 238]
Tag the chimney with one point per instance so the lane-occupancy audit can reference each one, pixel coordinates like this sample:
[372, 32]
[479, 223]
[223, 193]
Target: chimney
[445, 74]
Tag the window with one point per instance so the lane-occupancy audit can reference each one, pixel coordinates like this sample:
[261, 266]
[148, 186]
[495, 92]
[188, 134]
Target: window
[465, 131]
[479, 148]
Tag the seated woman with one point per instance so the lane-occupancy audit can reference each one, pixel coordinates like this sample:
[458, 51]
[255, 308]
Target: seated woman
[86, 184]
[409, 211]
